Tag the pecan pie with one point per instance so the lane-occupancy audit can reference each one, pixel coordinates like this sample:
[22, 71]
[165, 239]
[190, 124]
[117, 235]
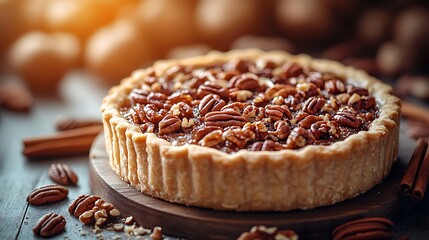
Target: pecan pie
[251, 130]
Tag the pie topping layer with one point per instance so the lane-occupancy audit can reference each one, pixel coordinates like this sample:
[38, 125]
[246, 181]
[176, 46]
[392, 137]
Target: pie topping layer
[249, 104]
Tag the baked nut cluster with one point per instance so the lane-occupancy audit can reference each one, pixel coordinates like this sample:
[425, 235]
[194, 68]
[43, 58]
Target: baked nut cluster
[258, 105]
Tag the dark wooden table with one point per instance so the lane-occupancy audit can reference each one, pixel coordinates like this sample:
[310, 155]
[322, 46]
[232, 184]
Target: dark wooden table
[80, 95]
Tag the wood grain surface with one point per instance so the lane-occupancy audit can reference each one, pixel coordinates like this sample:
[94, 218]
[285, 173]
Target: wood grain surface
[179, 220]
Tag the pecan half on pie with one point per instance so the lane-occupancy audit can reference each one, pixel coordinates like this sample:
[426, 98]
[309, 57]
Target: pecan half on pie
[251, 130]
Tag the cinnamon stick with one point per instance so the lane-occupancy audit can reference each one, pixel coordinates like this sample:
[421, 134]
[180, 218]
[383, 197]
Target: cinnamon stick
[91, 131]
[66, 143]
[422, 178]
[66, 123]
[412, 173]
[415, 112]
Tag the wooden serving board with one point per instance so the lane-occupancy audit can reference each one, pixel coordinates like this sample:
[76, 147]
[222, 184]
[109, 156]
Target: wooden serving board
[199, 223]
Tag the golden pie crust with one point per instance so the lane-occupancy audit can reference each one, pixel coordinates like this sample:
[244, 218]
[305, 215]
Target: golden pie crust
[253, 181]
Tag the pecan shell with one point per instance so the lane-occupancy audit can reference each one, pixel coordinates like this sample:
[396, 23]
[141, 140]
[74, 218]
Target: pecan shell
[49, 225]
[61, 173]
[47, 194]
[225, 118]
[209, 103]
[82, 204]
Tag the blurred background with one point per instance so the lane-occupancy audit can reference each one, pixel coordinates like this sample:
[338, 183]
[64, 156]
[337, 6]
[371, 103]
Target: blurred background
[41, 41]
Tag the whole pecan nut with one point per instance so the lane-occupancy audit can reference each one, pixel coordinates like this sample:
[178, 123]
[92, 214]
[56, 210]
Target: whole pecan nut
[299, 137]
[283, 90]
[313, 105]
[276, 112]
[309, 120]
[225, 118]
[367, 228]
[347, 119]
[292, 70]
[244, 82]
[211, 139]
[62, 174]
[169, 124]
[335, 86]
[209, 103]
[239, 136]
[47, 194]
[82, 204]
[282, 129]
[49, 225]
[212, 88]
[152, 113]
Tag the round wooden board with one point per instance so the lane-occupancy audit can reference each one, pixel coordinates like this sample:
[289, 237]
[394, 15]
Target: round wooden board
[199, 223]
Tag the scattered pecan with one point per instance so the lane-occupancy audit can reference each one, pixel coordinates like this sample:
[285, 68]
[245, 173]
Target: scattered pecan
[239, 65]
[235, 106]
[180, 97]
[335, 86]
[211, 139]
[244, 82]
[228, 75]
[316, 79]
[169, 124]
[366, 228]
[157, 99]
[299, 137]
[240, 95]
[252, 113]
[82, 204]
[282, 129]
[307, 89]
[264, 233]
[258, 127]
[182, 110]
[138, 96]
[15, 97]
[325, 129]
[152, 113]
[47, 194]
[200, 133]
[364, 103]
[49, 225]
[313, 105]
[267, 145]
[100, 214]
[239, 136]
[347, 119]
[293, 70]
[209, 103]
[280, 90]
[358, 90]
[212, 88]
[156, 233]
[137, 114]
[309, 120]
[148, 127]
[225, 118]
[62, 174]
[276, 112]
